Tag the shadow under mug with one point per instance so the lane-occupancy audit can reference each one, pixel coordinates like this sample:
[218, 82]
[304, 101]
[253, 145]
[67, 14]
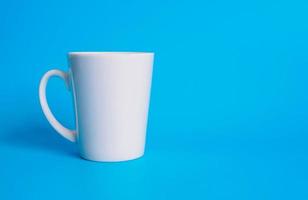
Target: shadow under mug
[111, 92]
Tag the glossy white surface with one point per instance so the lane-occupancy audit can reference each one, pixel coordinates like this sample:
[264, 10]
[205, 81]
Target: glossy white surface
[65, 132]
[111, 93]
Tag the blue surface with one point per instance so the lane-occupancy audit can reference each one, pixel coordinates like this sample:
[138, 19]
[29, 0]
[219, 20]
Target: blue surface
[229, 107]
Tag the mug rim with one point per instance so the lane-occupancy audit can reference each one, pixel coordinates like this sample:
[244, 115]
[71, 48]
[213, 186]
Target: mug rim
[79, 53]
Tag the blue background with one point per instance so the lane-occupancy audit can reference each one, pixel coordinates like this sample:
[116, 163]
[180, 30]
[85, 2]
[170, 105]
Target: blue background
[229, 108]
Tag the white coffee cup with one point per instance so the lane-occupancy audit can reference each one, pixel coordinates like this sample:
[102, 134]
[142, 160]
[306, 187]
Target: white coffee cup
[111, 92]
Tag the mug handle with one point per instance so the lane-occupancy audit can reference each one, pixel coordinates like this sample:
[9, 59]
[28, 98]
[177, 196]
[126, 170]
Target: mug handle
[65, 132]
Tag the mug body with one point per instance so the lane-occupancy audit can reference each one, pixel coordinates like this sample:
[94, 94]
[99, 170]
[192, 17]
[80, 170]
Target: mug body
[111, 97]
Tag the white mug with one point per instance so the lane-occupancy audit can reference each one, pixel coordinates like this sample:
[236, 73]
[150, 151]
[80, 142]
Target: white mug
[111, 92]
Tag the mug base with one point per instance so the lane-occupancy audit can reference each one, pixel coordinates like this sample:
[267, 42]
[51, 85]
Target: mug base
[111, 160]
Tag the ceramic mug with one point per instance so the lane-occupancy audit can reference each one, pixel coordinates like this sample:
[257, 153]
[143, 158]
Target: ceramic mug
[111, 92]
